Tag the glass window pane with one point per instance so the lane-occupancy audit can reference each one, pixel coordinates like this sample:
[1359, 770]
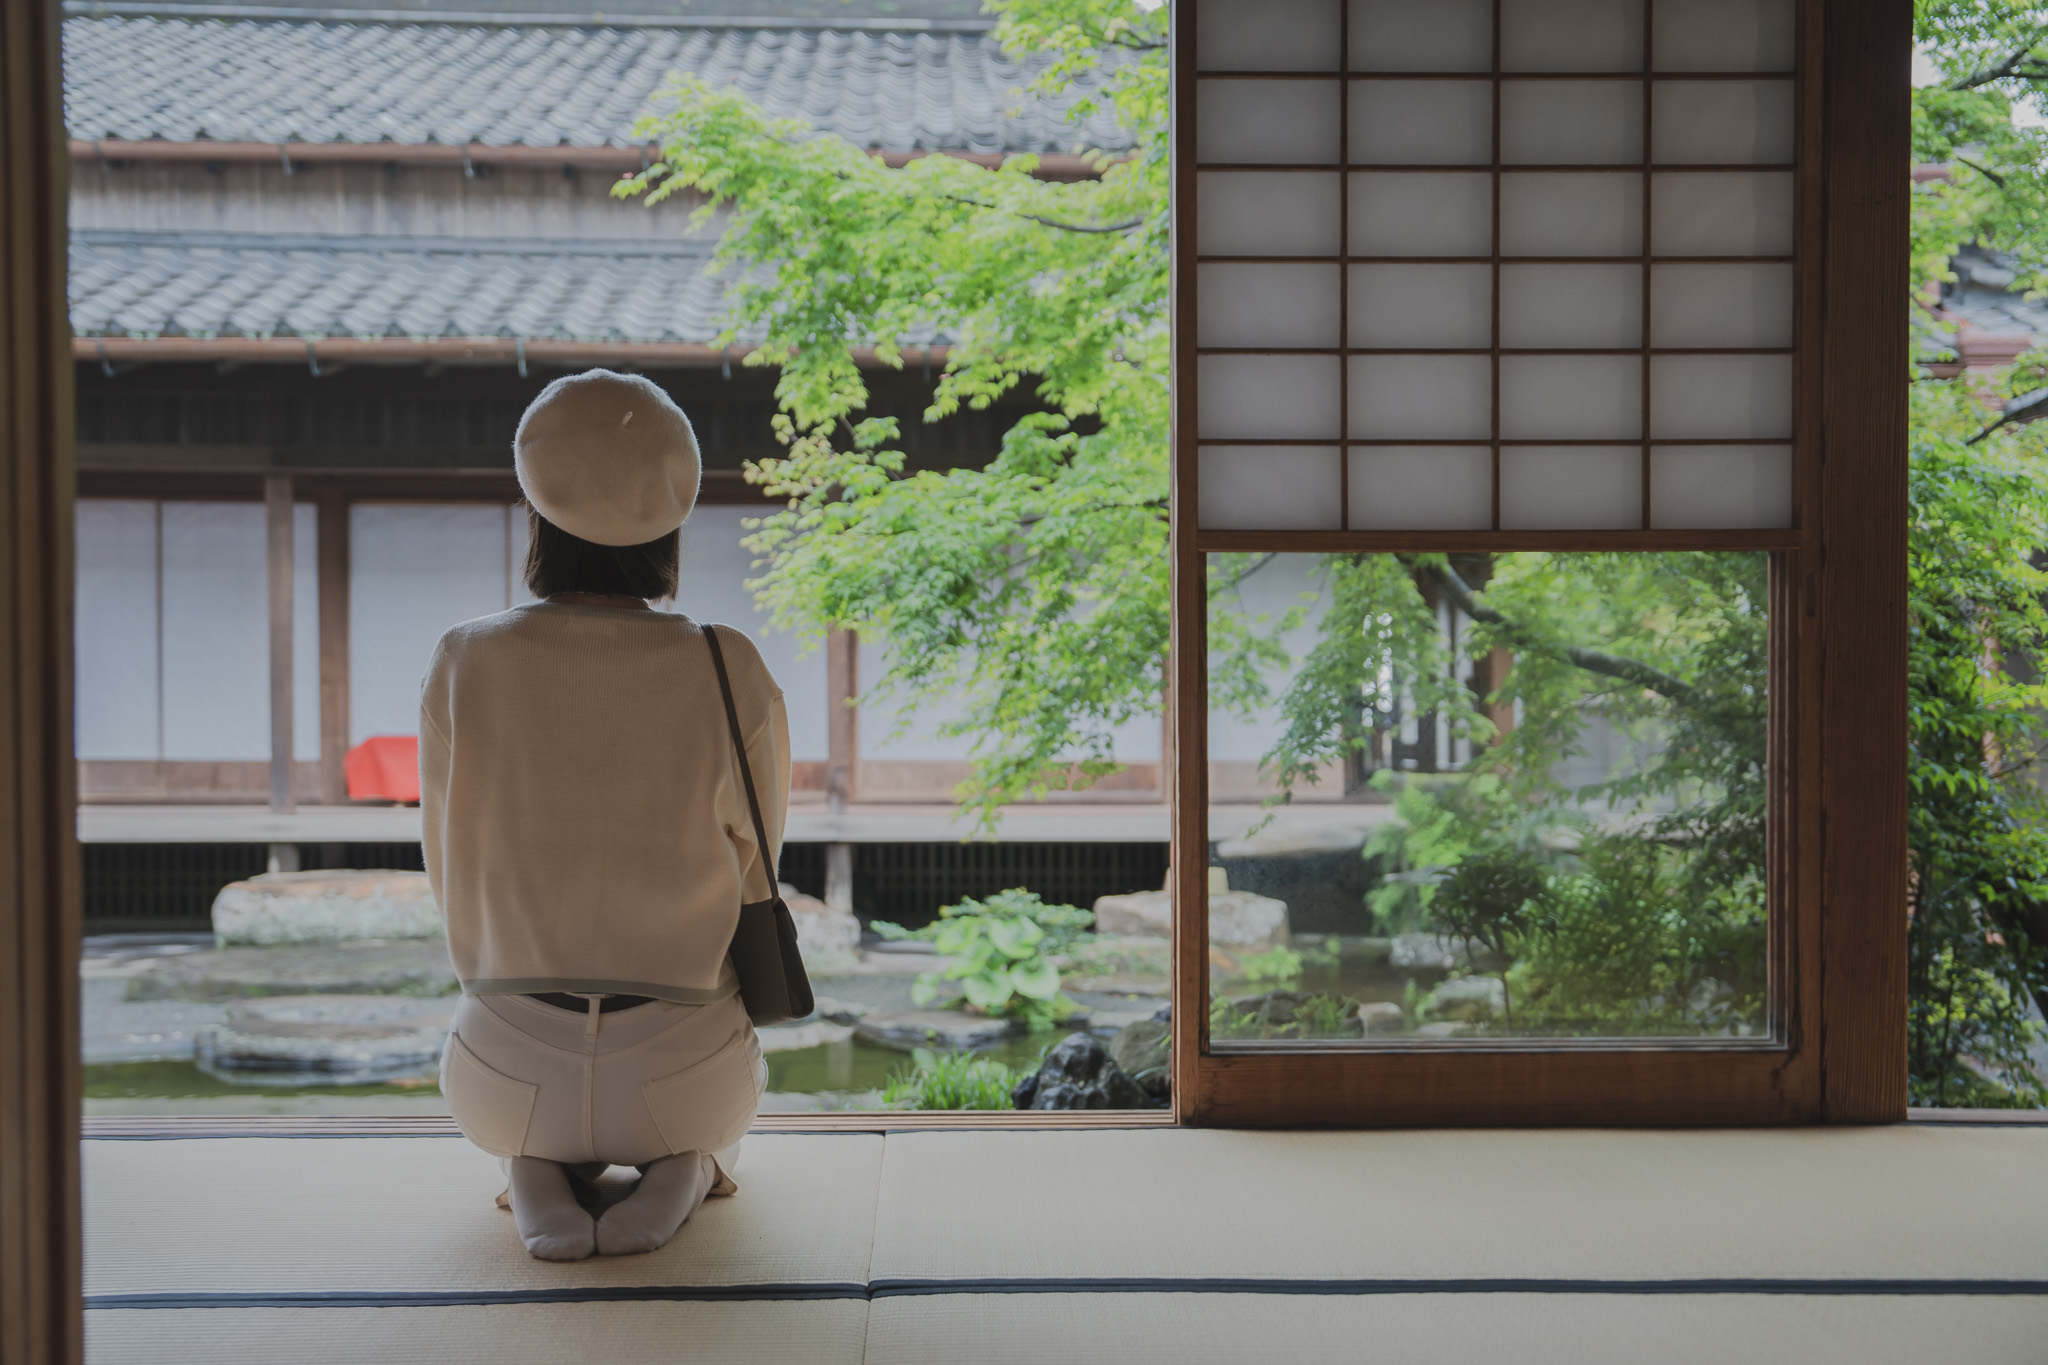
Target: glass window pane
[1267, 213]
[1421, 123]
[1571, 488]
[1269, 397]
[1421, 213]
[1721, 305]
[1571, 397]
[1426, 307]
[1547, 824]
[1269, 488]
[1267, 35]
[1571, 35]
[1421, 488]
[1571, 213]
[1267, 305]
[1568, 306]
[1725, 123]
[1723, 35]
[1721, 213]
[1401, 35]
[1571, 123]
[1421, 397]
[1720, 487]
[1708, 396]
[1280, 123]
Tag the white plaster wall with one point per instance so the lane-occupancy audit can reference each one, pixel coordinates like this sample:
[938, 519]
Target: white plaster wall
[416, 569]
[115, 630]
[715, 570]
[1277, 587]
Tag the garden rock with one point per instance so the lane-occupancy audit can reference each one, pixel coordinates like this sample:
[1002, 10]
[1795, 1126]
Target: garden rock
[1429, 953]
[1464, 997]
[797, 1037]
[379, 967]
[1079, 1074]
[325, 907]
[947, 1029]
[1382, 1019]
[828, 939]
[1237, 919]
[1142, 1051]
[322, 1039]
[1280, 1010]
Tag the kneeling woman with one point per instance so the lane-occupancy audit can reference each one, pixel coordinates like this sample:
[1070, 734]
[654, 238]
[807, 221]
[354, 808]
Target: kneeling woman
[589, 838]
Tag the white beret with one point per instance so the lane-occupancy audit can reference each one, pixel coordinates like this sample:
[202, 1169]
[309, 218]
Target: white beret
[608, 458]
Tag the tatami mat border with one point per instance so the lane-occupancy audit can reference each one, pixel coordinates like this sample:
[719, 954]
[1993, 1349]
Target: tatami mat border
[891, 1289]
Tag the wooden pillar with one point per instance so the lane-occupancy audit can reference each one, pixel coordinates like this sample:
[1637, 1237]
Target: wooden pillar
[334, 736]
[40, 1307]
[842, 766]
[277, 506]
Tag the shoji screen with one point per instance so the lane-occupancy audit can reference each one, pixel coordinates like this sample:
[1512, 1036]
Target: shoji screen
[1489, 265]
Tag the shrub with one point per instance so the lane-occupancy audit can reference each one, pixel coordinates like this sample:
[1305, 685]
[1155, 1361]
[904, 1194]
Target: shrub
[1000, 951]
[950, 1080]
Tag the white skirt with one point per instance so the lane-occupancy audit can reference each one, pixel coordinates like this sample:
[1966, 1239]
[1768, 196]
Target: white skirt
[524, 1078]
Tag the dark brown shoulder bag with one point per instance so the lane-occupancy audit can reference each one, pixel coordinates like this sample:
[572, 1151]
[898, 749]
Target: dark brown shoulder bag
[773, 985]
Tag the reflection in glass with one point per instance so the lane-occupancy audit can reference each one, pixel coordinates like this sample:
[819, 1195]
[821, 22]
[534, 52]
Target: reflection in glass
[1478, 797]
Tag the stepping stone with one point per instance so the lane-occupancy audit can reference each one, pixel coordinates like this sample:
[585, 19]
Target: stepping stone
[417, 967]
[324, 1040]
[935, 1028]
[331, 906]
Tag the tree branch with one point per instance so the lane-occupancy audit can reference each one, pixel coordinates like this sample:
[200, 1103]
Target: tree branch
[1125, 226]
[2005, 70]
[1592, 660]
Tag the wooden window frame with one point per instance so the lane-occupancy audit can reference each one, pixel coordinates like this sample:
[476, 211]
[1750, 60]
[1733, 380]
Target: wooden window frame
[1837, 866]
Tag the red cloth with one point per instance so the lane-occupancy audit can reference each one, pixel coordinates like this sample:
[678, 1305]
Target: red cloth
[384, 768]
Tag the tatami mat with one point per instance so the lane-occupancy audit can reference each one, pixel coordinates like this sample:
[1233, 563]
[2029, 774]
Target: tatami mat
[239, 1215]
[825, 1333]
[1402, 1329]
[1907, 1201]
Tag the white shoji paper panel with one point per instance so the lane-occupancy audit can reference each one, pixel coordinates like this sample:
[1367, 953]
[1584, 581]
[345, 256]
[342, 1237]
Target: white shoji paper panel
[1722, 35]
[1268, 123]
[1571, 488]
[1571, 397]
[1730, 123]
[1270, 488]
[1268, 213]
[1721, 305]
[1268, 396]
[1268, 305]
[1703, 397]
[1571, 306]
[1421, 488]
[1720, 488]
[1571, 35]
[1421, 213]
[1421, 123]
[1571, 213]
[1571, 123]
[1421, 397]
[1426, 307]
[1268, 35]
[1731, 213]
[114, 629]
[1439, 36]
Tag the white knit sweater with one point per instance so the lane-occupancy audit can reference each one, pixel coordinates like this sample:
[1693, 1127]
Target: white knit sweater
[585, 824]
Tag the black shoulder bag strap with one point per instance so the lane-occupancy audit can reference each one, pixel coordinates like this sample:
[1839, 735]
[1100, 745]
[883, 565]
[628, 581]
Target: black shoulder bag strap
[773, 984]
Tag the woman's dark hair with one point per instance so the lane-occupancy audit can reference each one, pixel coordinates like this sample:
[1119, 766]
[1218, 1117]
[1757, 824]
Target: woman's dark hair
[559, 562]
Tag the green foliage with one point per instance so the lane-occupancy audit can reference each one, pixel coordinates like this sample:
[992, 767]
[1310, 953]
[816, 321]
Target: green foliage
[1976, 966]
[1278, 966]
[1000, 953]
[1284, 1015]
[949, 1080]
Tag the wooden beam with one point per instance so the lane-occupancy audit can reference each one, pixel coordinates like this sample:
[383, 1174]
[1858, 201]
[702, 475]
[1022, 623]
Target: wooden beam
[41, 1317]
[334, 699]
[1867, 48]
[842, 686]
[277, 575]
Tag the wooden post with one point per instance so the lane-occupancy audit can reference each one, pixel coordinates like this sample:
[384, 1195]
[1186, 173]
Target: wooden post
[41, 1317]
[277, 506]
[334, 736]
[842, 766]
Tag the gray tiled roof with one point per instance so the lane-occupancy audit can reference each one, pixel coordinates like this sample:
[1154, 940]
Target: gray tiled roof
[1982, 295]
[185, 79]
[245, 285]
